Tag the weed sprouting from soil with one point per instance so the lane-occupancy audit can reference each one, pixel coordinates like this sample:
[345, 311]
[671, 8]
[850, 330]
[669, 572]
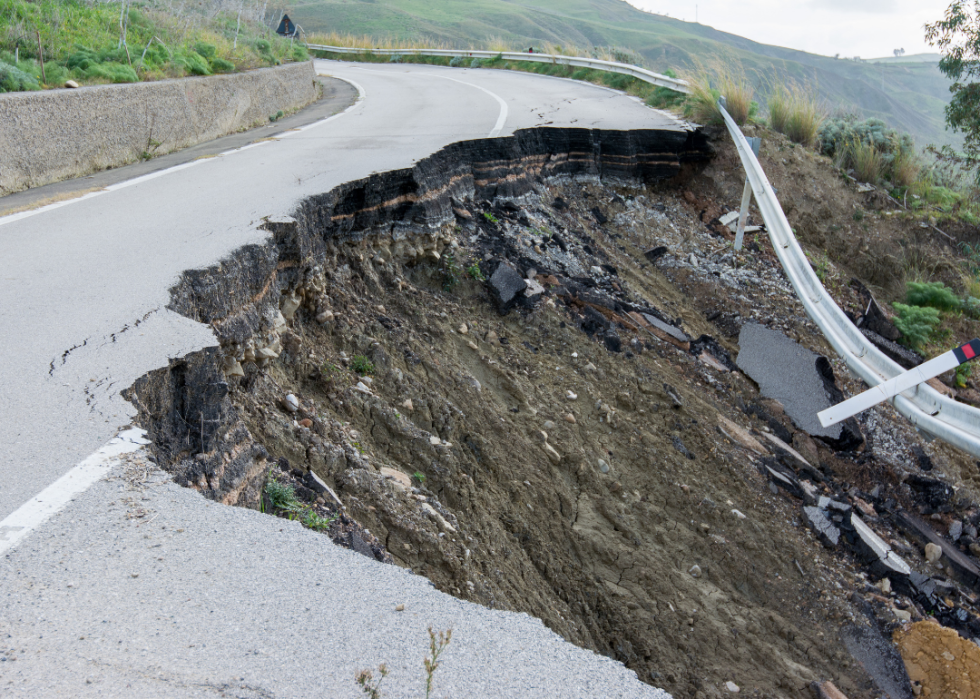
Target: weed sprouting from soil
[437, 644]
[361, 365]
[369, 686]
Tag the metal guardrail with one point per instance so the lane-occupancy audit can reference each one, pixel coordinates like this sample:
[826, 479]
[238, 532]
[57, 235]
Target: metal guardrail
[926, 408]
[621, 68]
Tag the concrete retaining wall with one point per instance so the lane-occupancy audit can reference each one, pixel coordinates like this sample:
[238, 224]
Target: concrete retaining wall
[58, 134]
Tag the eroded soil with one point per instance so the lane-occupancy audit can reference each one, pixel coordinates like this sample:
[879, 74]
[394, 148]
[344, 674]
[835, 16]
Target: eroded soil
[567, 459]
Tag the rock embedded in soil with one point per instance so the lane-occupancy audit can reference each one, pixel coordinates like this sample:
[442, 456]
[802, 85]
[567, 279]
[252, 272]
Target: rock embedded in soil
[822, 526]
[505, 284]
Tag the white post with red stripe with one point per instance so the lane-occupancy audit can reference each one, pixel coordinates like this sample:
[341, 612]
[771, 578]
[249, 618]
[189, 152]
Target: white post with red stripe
[902, 382]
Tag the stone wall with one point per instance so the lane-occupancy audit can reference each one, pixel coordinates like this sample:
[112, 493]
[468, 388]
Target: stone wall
[57, 134]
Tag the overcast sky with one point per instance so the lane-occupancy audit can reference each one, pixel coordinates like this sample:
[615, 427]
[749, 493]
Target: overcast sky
[865, 28]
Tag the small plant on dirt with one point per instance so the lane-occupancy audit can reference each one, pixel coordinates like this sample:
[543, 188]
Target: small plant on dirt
[475, 272]
[361, 365]
[282, 496]
[916, 323]
[369, 686]
[490, 217]
[437, 644]
[311, 520]
[419, 477]
[277, 116]
[858, 215]
[963, 375]
[450, 272]
[932, 294]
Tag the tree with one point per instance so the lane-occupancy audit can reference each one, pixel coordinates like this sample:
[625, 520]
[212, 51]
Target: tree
[957, 36]
[898, 52]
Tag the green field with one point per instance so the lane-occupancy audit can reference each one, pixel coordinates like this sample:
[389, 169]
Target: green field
[909, 95]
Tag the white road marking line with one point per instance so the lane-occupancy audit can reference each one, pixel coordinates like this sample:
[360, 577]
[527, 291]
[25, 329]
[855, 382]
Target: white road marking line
[4, 220]
[53, 499]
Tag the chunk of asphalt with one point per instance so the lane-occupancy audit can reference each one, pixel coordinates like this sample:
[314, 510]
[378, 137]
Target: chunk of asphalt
[923, 459]
[878, 556]
[784, 481]
[901, 355]
[962, 566]
[786, 372]
[825, 503]
[818, 522]
[675, 333]
[505, 285]
[654, 254]
[880, 659]
[932, 490]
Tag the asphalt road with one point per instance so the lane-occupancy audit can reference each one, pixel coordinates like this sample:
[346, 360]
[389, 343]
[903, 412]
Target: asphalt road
[209, 600]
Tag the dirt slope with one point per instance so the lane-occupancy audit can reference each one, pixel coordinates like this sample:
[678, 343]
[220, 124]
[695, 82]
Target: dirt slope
[565, 456]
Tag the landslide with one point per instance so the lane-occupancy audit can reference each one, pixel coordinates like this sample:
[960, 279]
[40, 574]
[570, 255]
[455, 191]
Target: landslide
[555, 455]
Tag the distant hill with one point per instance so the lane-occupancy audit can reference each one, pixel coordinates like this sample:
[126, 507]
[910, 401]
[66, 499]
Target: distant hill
[908, 94]
[914, 58]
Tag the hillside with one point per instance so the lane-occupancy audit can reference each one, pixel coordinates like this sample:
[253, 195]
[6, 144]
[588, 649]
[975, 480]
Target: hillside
[910, 96]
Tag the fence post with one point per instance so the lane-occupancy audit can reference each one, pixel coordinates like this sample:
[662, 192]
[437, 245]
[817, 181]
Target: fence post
[746, 198]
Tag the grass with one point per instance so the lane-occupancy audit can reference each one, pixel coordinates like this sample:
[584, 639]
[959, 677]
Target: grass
[794, 111]
[85, 43]
[284, 502]
[869, 164]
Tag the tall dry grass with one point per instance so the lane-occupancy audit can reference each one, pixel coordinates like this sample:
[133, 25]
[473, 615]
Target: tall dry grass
[737, 91]
[868, 161]
[779, 106]
[905, 168]
[795, 112]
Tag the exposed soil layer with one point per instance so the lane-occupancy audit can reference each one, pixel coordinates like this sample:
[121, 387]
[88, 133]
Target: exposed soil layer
[495, 386]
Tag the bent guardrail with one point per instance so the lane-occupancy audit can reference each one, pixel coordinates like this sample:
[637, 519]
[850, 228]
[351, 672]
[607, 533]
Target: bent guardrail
[927, 409]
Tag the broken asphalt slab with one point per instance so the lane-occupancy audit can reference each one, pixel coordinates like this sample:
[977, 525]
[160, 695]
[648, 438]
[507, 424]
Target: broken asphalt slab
[788, 373]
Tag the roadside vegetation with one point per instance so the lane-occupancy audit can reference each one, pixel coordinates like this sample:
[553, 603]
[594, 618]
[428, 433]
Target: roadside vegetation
[46, 43]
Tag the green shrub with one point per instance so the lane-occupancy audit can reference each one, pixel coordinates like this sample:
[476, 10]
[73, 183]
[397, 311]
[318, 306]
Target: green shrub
[205, 49]
[884, 150]
[457, 61]
[664, 97]
[916, 324]
[361, 364]
[263, 46]
[13, 79]
[779, 107]
[282, 496]
[220, 65]
[113, 72]
[932, 294]
[299, 53]
[192, 62]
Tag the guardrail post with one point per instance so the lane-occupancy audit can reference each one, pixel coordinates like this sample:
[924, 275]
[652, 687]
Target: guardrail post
[746, 198]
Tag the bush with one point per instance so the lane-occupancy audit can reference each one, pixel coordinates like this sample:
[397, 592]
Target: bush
[299, 53]
[664, 97]
[476, 63]
[916, 324]
[932, 294]
[883, 149]
[13, 79]
[779, 107]
[220, 65]
[361, 364]
[702, 102]
[205, 49]
[113, 72]
[192, 62]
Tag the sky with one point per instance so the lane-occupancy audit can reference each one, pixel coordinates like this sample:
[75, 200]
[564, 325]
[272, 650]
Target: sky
[865, 28]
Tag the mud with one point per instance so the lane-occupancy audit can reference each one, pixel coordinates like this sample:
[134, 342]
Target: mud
[593, 457]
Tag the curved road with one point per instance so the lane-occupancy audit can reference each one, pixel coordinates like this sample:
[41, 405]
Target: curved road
[91, 605]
